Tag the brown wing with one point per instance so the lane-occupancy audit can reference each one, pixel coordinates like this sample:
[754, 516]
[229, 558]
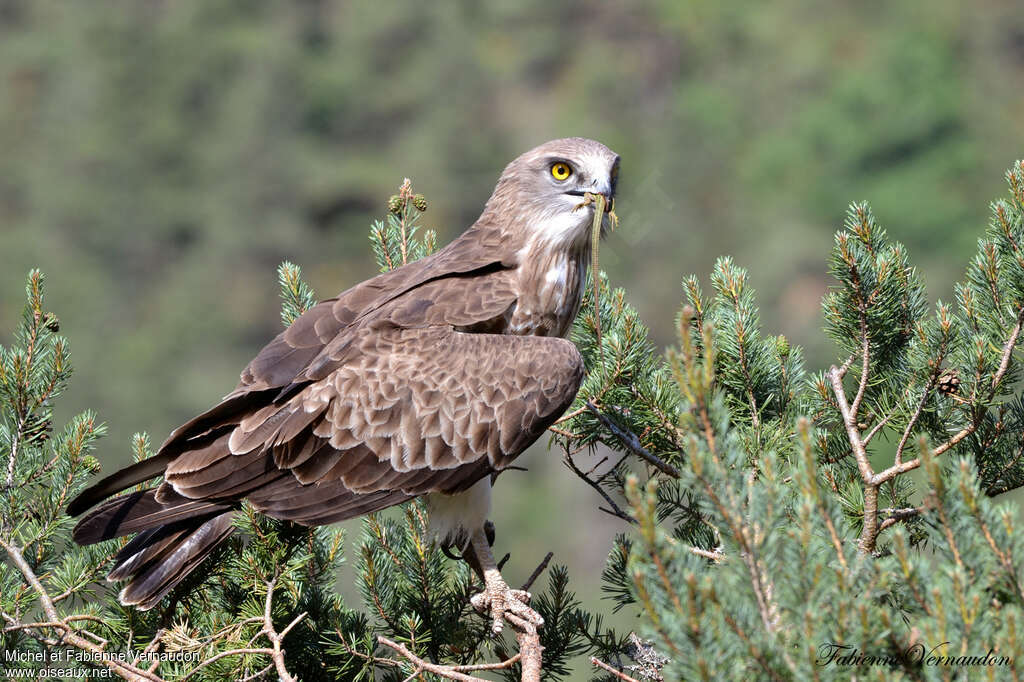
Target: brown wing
[417, 410]
[322, 338]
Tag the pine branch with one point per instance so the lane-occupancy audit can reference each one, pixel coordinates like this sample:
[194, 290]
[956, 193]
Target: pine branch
[70, 634]
[615, 509]
[1008, 347]
[632, 442]
[296, 296]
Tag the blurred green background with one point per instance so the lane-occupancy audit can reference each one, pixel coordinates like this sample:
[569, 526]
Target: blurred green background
[158, 159]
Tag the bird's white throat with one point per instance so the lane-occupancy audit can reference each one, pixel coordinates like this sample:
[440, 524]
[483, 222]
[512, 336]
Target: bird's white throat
[563, 228]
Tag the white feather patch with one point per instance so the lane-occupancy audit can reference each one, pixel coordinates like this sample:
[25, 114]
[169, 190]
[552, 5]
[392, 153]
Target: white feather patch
[466, 511]
[561, 226]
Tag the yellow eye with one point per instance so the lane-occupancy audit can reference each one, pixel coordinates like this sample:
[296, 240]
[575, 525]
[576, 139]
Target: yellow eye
[560, 171]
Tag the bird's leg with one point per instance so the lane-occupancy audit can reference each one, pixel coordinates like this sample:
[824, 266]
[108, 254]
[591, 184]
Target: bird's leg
[498, 598]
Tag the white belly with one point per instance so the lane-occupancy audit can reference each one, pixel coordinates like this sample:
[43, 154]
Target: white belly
[466, 511]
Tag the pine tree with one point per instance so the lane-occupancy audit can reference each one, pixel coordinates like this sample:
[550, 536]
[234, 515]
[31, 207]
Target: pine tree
[772, 523]
[780, 533]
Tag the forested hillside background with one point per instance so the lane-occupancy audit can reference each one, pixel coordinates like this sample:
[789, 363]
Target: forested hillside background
[158, 159]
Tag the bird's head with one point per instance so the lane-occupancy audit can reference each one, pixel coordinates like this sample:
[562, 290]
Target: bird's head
[546, 188]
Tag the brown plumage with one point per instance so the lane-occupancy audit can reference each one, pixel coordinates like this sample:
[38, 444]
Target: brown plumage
[426, 379]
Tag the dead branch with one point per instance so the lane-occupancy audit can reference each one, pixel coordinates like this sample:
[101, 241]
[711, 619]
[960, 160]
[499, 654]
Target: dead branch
[537, 571]
[615, 510]
[714, 555]
[449, 672]
[594, 660]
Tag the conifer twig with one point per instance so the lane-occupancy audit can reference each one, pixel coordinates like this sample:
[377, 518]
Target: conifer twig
[755, 417]
[883, 421]
[898, 458]
[865, 365]
[15, 440]
[569, 415]
[630, 440]
[618, 674]
[897, 515]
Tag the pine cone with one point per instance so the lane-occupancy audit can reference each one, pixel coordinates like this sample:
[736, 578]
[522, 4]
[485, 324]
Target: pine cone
[949, 383]
[51, 322]
[782, 346]
[395, 204]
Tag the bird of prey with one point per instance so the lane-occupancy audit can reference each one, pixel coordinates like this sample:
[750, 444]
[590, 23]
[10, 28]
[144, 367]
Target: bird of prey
[425, 380]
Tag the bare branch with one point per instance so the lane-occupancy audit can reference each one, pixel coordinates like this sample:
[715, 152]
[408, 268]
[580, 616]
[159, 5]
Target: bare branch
[897, 469]
[569, 415]
[615, 673]
[897, 515]
[1004, 363]
[615, 509]
[714, 555]
[846, 365]
[562, 432]
[537, 571]
[850, 421]
[15, 440]
[878, 427]
[932, 379]
[449, 672]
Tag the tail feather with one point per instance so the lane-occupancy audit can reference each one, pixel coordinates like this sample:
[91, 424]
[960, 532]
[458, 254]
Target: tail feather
[175, 533]
[118, 481]
[213, 438]
[137, 512]
[148, 546]
[158, 567]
